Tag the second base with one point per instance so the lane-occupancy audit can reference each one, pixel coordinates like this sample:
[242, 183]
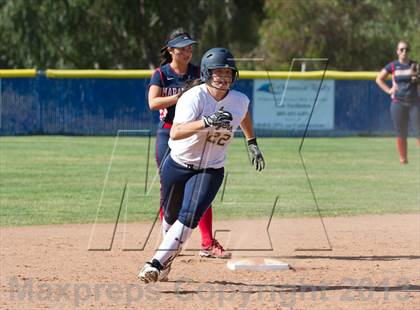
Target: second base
[258, 265]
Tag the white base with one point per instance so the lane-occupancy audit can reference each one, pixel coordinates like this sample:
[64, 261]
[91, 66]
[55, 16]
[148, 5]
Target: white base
[250, 264]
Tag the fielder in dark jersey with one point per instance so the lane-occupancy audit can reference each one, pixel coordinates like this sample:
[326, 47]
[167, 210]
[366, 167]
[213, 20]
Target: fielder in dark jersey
[405, 96]
[171, 84]
[165, 87]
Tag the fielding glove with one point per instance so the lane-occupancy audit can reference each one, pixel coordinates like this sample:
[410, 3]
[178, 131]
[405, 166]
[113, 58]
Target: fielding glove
[219, 118]
[415, 73]
[256, 156]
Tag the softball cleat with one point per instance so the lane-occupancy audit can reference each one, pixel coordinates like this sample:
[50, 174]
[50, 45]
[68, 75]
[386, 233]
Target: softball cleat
[215, 251]
[150, 272]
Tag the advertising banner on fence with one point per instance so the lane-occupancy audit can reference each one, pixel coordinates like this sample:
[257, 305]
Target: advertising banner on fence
[287, 104]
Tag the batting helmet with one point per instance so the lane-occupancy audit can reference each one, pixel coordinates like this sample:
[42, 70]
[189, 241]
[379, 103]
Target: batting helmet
[217, 58]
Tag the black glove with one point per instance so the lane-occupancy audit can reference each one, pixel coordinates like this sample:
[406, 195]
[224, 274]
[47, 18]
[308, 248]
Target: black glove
[219, 118]
[256, 156]
[415, 73]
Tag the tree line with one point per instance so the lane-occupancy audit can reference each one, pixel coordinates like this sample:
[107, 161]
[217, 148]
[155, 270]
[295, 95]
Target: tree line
[128, 34]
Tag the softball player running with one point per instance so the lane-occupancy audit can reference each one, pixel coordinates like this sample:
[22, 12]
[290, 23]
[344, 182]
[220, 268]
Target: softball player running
[405, 96]
[205, 120]
[165, 88]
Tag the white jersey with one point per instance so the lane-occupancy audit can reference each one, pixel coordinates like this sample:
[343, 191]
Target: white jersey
[207, 148]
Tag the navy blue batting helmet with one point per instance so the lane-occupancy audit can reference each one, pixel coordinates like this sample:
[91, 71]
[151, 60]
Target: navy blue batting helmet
[217, 58]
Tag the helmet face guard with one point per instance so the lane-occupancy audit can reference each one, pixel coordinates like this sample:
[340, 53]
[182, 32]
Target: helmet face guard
[217, 58]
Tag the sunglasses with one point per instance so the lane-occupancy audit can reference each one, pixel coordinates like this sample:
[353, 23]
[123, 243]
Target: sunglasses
[404, 49]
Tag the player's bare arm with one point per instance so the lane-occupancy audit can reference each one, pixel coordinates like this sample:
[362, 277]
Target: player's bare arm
[219, 118]
[247, 128]
[157, 101]
[185, 130]
[380, 80]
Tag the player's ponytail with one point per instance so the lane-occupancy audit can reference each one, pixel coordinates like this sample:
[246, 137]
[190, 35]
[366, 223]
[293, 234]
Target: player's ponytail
[190, 84]
[165, 56]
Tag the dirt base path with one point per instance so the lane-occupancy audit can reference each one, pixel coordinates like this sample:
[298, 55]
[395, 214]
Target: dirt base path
[374, 264]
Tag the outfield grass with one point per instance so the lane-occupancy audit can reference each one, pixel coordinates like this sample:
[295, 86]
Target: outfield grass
[59, 179]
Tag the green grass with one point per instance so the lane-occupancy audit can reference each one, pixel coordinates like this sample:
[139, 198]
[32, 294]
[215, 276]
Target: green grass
[59, 179]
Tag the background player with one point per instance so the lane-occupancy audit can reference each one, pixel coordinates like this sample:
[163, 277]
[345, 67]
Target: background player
[405, 97]
[165, 88]
[205, 120]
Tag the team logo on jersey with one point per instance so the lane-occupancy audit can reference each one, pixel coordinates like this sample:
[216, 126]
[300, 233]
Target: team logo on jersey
[163, 113]
[169, 91]
[225, 126]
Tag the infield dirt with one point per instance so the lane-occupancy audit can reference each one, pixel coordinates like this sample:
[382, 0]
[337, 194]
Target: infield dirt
[374, 264]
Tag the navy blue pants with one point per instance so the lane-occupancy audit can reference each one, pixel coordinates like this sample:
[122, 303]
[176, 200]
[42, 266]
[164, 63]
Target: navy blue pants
[400, 116]
[162, 148]
[188, 193]
[162, 151]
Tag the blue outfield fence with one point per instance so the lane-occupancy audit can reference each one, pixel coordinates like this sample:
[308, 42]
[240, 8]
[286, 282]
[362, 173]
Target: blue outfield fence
[73, 106]
[361, 107]
[102, 106]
